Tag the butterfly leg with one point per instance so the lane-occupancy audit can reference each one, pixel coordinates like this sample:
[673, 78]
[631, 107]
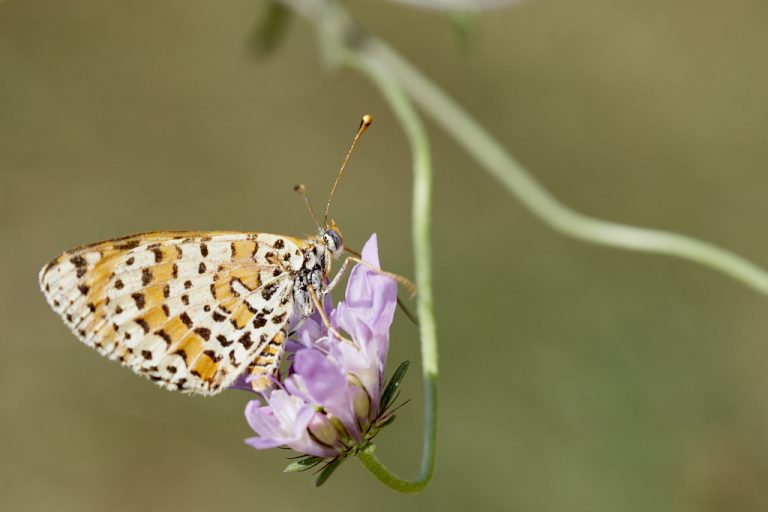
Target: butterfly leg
[338, 276]
[264, 368]
[324, 317]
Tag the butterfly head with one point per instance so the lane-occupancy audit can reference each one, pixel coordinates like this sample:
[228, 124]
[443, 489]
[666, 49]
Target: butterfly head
[332, 240]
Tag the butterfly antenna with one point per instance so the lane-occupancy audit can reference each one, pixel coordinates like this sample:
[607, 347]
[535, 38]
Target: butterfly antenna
[407, 312]
[302, 191]
[364, 124]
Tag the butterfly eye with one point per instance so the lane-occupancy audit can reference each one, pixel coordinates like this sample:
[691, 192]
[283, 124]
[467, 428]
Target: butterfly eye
[332, 240]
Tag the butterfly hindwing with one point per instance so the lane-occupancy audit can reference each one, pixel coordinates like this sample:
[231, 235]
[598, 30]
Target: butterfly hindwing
[189, 310]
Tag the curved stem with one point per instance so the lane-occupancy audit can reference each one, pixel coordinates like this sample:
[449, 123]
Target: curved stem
[422, 204]
[337, 35]
[479, 143]
[340, 38]
[372, 463]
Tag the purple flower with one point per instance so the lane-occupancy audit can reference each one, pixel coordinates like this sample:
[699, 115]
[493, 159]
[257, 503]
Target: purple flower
[329, 403]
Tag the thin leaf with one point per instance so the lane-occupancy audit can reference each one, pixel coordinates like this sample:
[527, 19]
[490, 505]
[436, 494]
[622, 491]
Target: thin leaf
[394, 384]
[303, 464]
[387, 421]
[391, 402]
[328, 471]
[398, 407]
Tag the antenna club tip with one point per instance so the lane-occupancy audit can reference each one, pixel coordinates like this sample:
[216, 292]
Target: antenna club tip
[367, 120]
[300, 188]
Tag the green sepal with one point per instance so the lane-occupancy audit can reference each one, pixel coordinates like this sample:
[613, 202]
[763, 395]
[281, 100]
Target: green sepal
[303, 464]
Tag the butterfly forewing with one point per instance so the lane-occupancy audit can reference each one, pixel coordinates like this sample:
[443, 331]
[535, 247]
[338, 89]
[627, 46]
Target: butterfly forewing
[189, 310]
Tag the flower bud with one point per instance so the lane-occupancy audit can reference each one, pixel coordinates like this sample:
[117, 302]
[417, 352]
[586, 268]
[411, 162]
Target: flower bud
[361, 401]
[322, 428]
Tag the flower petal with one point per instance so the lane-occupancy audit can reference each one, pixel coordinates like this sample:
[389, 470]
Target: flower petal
[283, 422]
[318, 381]
[369, 306]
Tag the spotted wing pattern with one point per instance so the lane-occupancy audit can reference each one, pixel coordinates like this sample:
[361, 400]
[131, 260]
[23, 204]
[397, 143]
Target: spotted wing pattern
[189, 310]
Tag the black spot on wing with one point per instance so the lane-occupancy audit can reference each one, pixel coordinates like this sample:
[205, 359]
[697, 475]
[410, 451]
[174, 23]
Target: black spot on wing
[127, 245]
[245, 340]
[268, 291]
[146, 276]
[78, 261]
[212, 355]
[184, 317]
[138, 298]
[182, 354]
[204, 333]
[223, 340]
[143, 324]
[164, 335]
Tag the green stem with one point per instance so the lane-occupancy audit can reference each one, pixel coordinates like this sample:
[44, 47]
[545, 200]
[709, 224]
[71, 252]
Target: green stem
[491, 155]
[337, 28]
[336, 36]
[422, 204]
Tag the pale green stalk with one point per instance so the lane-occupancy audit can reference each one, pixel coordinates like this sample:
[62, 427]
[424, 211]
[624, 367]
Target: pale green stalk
[422, 204]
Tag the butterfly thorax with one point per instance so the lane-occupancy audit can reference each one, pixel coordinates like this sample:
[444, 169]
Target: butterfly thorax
[318, 259]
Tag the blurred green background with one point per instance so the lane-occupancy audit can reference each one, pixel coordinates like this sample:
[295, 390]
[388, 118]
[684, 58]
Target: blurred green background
[573, 378]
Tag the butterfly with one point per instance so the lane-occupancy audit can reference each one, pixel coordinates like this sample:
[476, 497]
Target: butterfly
[194, 310]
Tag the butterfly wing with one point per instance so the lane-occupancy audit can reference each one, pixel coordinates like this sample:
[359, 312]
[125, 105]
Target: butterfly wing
[188, 310]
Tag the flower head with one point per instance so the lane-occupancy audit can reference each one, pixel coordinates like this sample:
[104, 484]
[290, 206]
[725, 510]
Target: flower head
[332, 400]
